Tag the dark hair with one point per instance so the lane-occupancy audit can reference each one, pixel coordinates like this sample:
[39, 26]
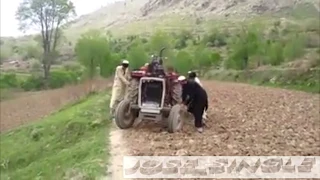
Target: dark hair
[192, 74]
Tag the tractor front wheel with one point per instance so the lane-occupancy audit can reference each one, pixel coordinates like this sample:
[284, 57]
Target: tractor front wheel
[124, 116]
[174, 121]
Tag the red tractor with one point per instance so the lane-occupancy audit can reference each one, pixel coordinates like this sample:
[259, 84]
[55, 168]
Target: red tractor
[153, 94]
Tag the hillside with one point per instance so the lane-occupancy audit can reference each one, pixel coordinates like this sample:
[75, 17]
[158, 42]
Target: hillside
[126, 13]
[136, 10]
[144, 17]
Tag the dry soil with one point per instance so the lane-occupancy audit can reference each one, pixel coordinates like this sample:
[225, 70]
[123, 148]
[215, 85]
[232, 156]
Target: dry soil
[244, 120]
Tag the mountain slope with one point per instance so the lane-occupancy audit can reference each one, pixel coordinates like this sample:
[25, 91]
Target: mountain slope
[132, 16]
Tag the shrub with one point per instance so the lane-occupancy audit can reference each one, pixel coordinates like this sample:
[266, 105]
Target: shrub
[144, 40]
[72, 66]
[182, 39]
[137, 56]
[33, 83]
[275, 54]
[294, 47]
[9, 81]
[35, 65]
[204, 58]
[183, 62]
[160, 40]
[60, 78]
[215, 39]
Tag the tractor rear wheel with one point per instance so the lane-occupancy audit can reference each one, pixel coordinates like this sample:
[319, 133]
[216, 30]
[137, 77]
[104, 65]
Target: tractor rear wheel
[124, 116]
[176, 93]
[133, 91]
[174, 121]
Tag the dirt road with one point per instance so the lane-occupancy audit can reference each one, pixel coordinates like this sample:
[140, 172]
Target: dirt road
[244, 120]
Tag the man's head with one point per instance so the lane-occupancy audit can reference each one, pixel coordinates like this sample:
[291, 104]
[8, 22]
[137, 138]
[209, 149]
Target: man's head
[125, 63]
[192, 74]
[182, 79]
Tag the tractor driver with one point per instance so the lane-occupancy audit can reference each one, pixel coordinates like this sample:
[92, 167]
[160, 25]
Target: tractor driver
[145, 67]
[120, 84]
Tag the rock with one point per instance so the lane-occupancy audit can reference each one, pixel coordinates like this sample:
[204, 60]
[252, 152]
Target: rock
[181, 152]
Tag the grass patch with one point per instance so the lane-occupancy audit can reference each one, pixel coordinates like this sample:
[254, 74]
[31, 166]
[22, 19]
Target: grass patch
[68, 144]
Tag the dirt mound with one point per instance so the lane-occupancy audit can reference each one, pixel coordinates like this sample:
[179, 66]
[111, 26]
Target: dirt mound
[244, 120]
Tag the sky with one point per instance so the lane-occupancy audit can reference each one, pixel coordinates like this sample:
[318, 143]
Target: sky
[9, 25]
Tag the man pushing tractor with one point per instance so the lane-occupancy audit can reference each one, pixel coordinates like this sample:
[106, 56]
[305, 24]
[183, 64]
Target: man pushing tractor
[120, 83]
[153, 94]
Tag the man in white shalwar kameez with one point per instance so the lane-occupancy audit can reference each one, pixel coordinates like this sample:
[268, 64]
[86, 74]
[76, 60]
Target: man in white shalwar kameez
[120, 84]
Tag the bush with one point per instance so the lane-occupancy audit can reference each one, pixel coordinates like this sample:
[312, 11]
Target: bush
[275, 54]
[183, 62]
[9, 81]
[204, 58]
[74, 67]
[137, 56]
[58, 79]
[182, 39]
[215, 39]
[33, 83]
[36, 65]
[294, 47]
[160, 40]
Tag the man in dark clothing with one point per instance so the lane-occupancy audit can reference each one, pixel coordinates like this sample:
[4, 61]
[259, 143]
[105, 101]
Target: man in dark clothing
[196, 99]
[193, 76]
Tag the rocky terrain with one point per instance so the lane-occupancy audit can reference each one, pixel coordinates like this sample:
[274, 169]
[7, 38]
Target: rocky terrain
[135, 10]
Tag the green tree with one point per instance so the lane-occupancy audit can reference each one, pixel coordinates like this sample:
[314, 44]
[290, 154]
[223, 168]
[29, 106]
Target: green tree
[92, 51]
[275, 54]
[137, 55]
[294, 47]
[48, 16]
[242, 47]
[159, 40]
[204, 57]
[30, 51]
[215, 39]
[183, 62]
[110, 63]
[182, 38]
